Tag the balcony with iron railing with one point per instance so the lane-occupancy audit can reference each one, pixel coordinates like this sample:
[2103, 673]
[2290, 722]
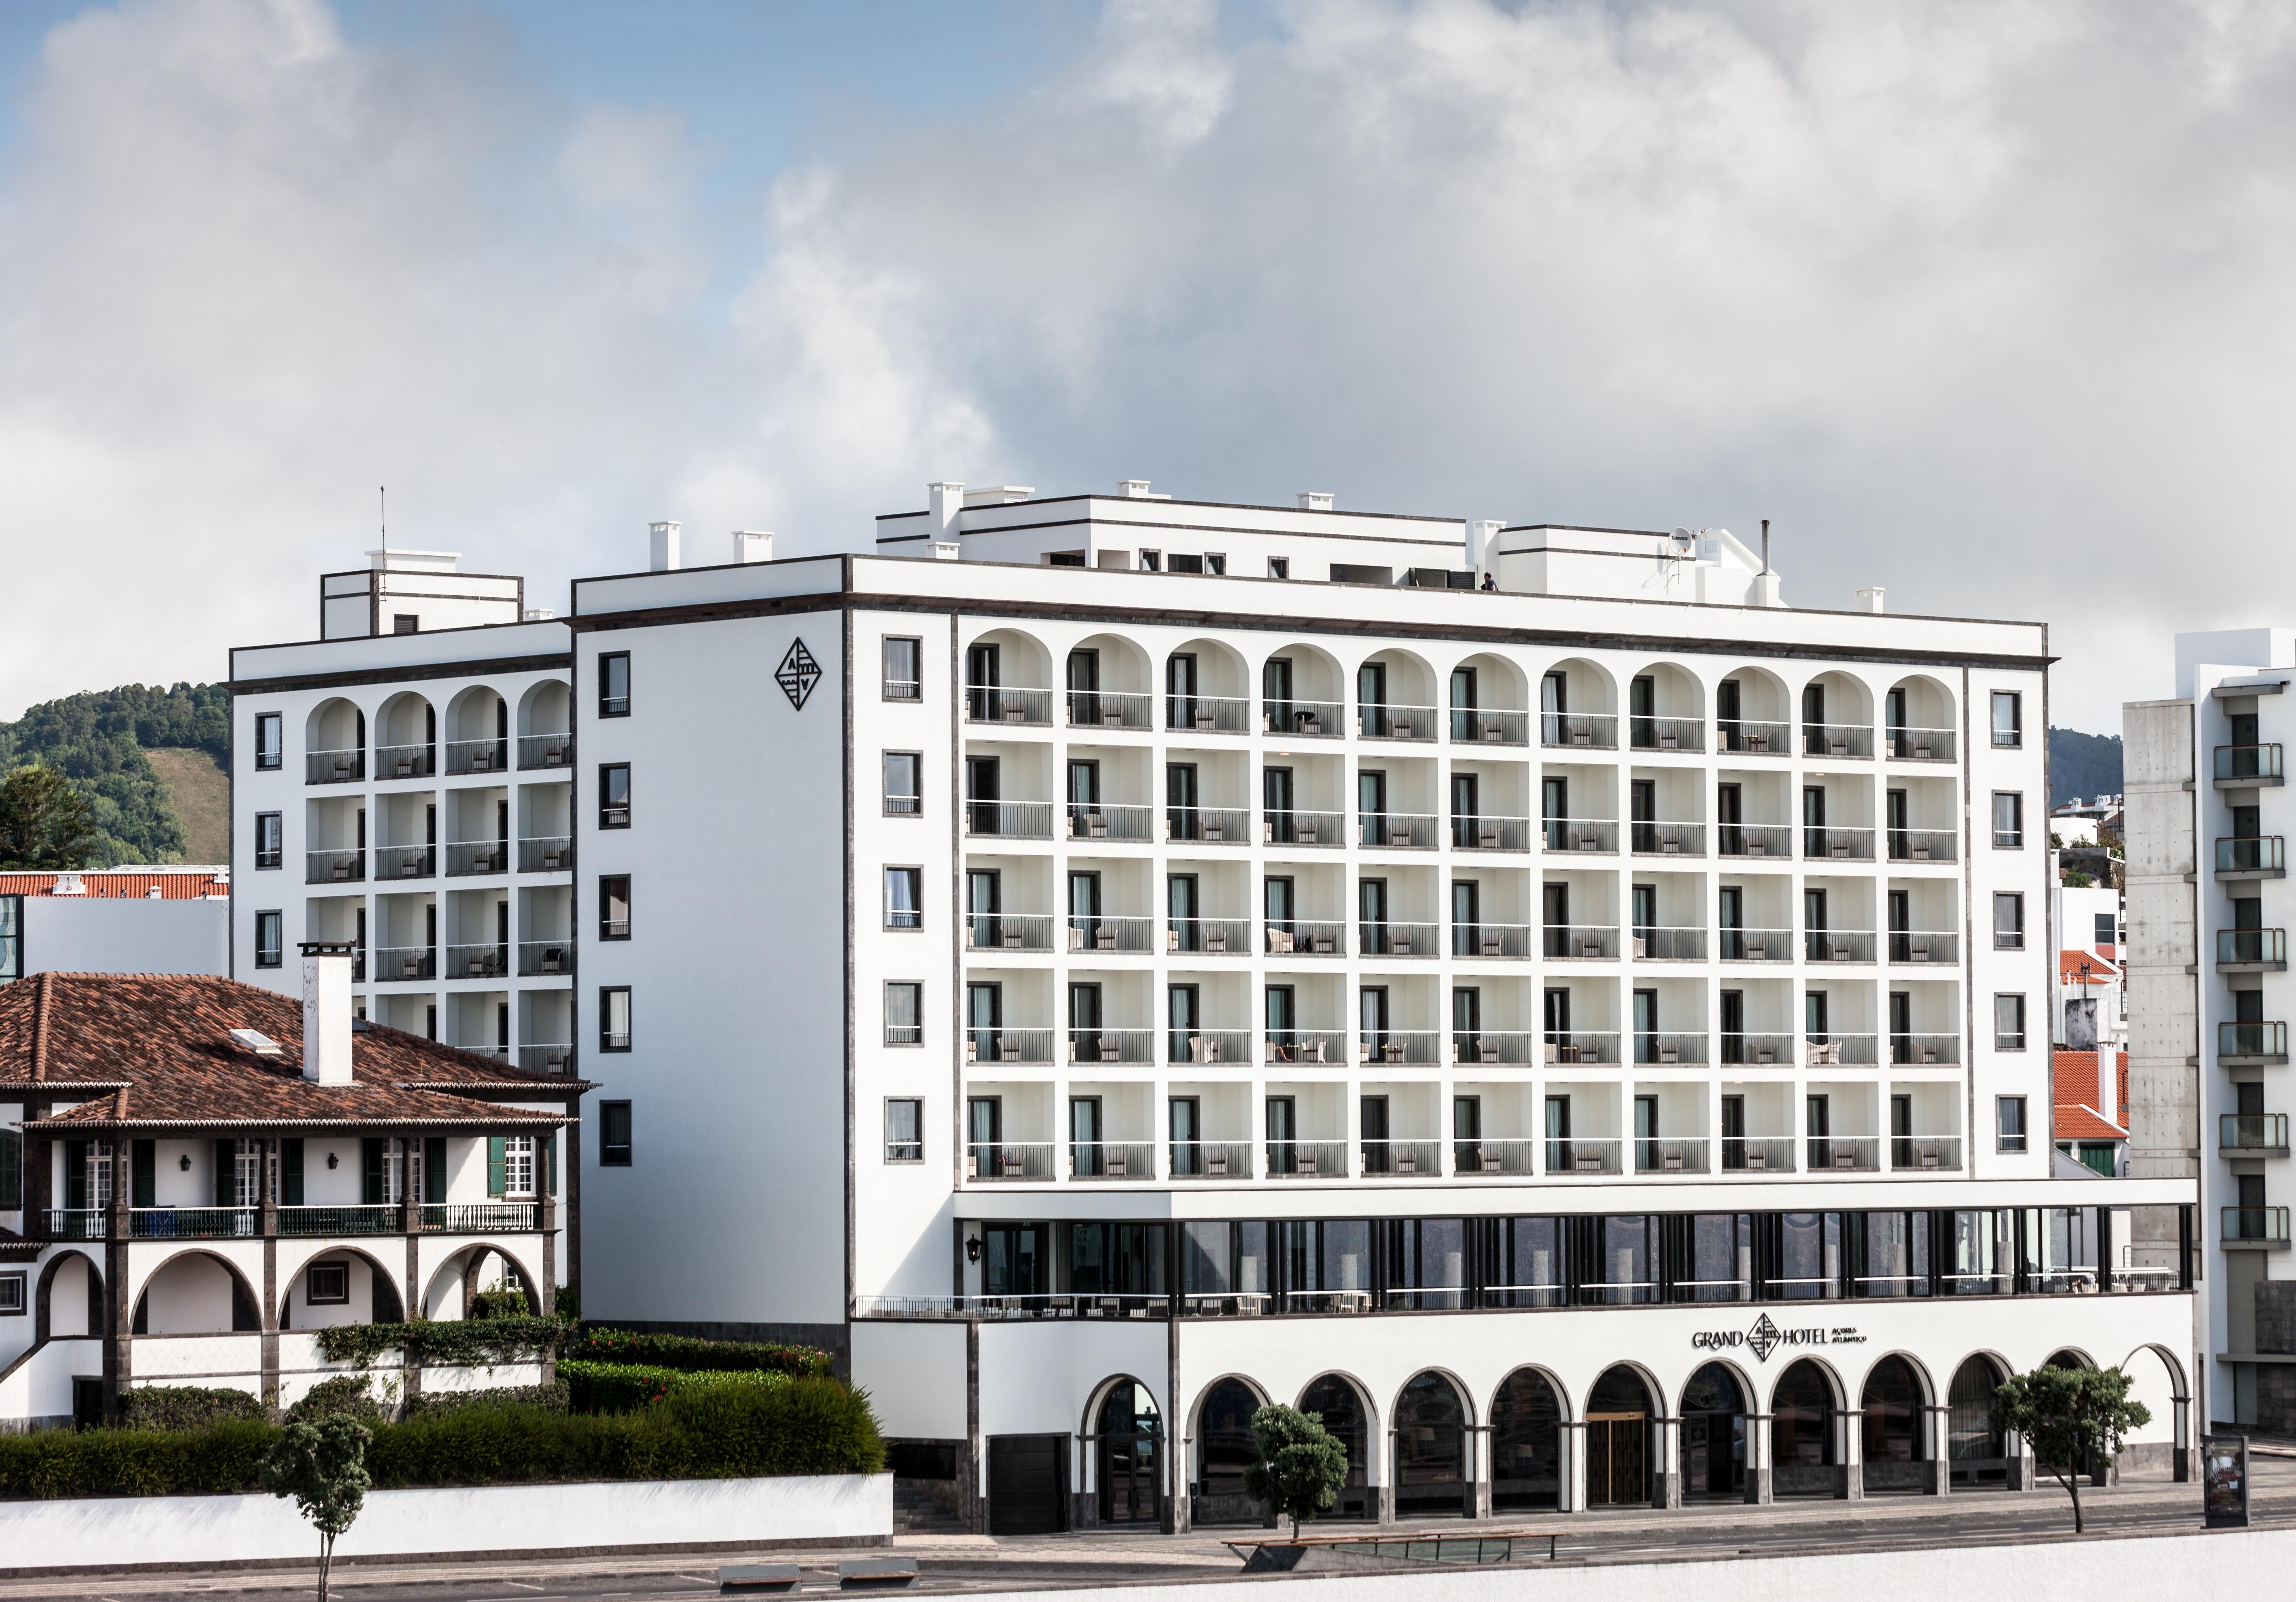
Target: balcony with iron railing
[334, 767]
[1306, 1048]
[546, 958]
[405, 761]
[1305, 1159]
[1583, 731]
[1295, 827]
[335, 865]
[1209, 937]
[467, 858]
[1010, 931]
[1649, 839]
[478, 1218]
[1922, 845]
[1748, 736]
[1488, 726]
[2255, 1227]
[1758, 1155]
[1837, 945]
[1385, 721]
[993, 703]
[1208, 825]
[477, 756]
[546, 854]
[194, 1223]
[1416, 1048]
[1398, 940]
[1913, 1050]
[1402, 1159]
[1111, 1160]
[1842, 1154]
[1096, 821]
[1398, 831]
[1208, 1046]
[1561, 1046]
[544, 751]
[1300, 937]
[1856, 1049]
[1211, 1158]
[995, 1043]
[2252, 951]
[1754, 841]
[1670, 1155]
[1919, 946]
[1304, 720]
[1118, 936]
[304, 1222]
[2253, 1134]
[1011, 1160]
[1757, 1050]
[1009, 820]
[1480, 833]
[1580, 943]
[1594, 835]
[1112, 709]
[1837, 844]
[2260, 1045]
[1502, 1045]
[1512, 941]
[1924, 1153]
[404, 862]
[2239, 766]
[1666, 734]
[1666, 1048]
[1582, 1155]
[1754, 945]
[1209, 714]
[1107, 1044]
[296, 1222]
[1656, 942]
[543, 1057]
[1837, 740]
[1495, 1159]
[1921, 745]
[395, 965]
[488, 961]
[2252, 857]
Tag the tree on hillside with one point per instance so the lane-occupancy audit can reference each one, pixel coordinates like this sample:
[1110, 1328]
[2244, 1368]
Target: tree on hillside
[1301, 1464]
[97, 740]
[46, 826]
[2074, 1419]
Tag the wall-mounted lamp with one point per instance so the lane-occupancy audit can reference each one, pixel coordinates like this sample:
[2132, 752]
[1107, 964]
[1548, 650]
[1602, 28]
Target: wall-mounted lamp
[185, 1162]
[331, 1158]
[972, 1248]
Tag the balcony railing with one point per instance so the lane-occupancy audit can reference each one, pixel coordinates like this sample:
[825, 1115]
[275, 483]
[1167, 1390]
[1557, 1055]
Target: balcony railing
[405, 761]
[1753, 840]
[1561, 1046]
[1924, 1050]
[1301, 938]
[1838, 845]
[1591, 834]
[404, 862]
[1304, 720]
[1922, 1154]
[1517, 1046]
[2248, 764]
[1496, 1158]
[395, 963]
[1582, 1155]
[1208, 1046]
[1010, 1160]
[1921, 745]
[1123, 936]
[1666, 734]
[546, 958]
[1838, 945]
[1924, 946]
[1307, 1159]
[337, 865]
[1209, 714]
[194, 1223]
[1211, 1158]
[1398, 831]
[478, 962]
[465, 857]
[2253, 948]
[477, 1218]
[1576, 941]
[986, 1043]
[334, 767]
[1647, 839]
[1213, 825]
[1398, 940]
[2265, 1134]
[1836, 740]
[1110, 709]
[1379, 722]
[1011, 820]
[546, 854]
[1856, 1050]
[1666, 1047]
[1111, 1160]
[477, 756]
[1415, 1047]
[1656, 943]
[1514, 941]
[1215, 937]
[2262, 856]
[1308, 1047]
[2252, 1044]
[1488, 726]
[1758, 1155]
[1753, 737]
[544, 1058]
[1670, 1155]
[1755, 945]
[1095, 821]
[1490, 833]
[1112, 1045]
[2257, 1226]
[306, 1222]
[545, 750]
[991, 703]
[1403, 1159]
[1842, 1154]
[1923, 845]
[1009, 932]
[1304, 828]
[1595, 731]
[1758, 1048]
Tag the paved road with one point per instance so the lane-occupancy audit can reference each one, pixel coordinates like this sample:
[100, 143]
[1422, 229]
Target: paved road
[978, 1564]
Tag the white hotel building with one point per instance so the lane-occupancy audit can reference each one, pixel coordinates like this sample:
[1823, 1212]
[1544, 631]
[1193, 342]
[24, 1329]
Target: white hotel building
[1103, 962]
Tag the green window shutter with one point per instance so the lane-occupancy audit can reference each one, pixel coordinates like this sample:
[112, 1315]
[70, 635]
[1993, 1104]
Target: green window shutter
[146, 1170]
[434, 1168]
[495, 1184]
[226, 1179]
[291, 1172]
[75, 1175]
[371, 1164]
[11, 1170]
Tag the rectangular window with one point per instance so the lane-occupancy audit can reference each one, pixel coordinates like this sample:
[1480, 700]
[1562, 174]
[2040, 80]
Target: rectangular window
[614, 1134]
[614, 1017]
[327, 1284]
[268, 839]
[614, 795]
[1279, 567]
[614, 907]
[614, 685]
[905, 668]
[12, 938]
[904, 796]
[905, 1013]
[11, 1295]
[2008, 921]
[2009, 1022]
[2008, 719]
[905, 1130]
[12, 1171]
[1187, 561]
[518, 1166]
[2009, 1121]
[1152, 561]
[407, 622]
[2008, 819]
[905, 898]
[1215, 562]
[269, 742]
[268, 939]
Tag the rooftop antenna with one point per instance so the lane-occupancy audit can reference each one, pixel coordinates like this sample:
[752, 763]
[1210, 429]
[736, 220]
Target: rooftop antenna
[383, 513]
[1766, 546]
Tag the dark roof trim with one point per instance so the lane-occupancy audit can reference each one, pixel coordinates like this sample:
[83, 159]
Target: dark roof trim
[365, 676]
[1127, 500]
[712, 567]
[558, 1088]
[47, 1089]
[519, 1120]
[354, 572]
[2232, 692]
[1126, 523]
[1593, 528]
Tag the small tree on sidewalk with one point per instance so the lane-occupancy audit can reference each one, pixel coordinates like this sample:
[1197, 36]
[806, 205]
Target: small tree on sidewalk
[2071, 1418]
[1301, 1464]
[323, 1466]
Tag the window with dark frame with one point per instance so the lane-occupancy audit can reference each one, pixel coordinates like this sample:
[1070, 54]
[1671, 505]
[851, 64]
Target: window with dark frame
[327, 1284]
[270, 742]
[2008, 819]
[1152, 561]
[614, 795]
[614, 1017]
[905, 898]
[11, 1295]
[904, 792]
[2008, 719]
[269, 939]
[904, 668]
[614, 907]
[905, 1130]
[270, 836]
[2009, 1022]
[905, 1013]
[614, 1134]
[2009, 1123]
[1279, 567]
[614, 684]
[2008, 920]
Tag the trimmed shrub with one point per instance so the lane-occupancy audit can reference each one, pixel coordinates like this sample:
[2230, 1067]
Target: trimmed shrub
[501, 1304]
[186, 1406]
[626, 1387]
[349, 1395]
[434, 1404]
[471, 1342]
[57, 1463]
[692, 1355]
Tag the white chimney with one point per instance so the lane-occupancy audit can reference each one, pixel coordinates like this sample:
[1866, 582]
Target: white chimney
[68, 884]
[1133, 490]
[948, 550]
[944, 502]
[750, 546]
[1870, 600]
[326, 1013]
[663, 547]
[540, 614]
[1314, 500]
[1482, 541]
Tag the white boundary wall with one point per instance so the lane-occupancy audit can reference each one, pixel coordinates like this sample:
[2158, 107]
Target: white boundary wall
[114, 1532]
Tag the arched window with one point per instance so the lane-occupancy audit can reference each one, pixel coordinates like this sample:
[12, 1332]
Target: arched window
[1430, 1447]
[1224, 1449]
[1801, 1431]
[1713, 1434]
[1619, 1440]
[1341, 1409]
[1128, 1435]
[1976, 1448]
[1892, 1405]
[1526, 1442]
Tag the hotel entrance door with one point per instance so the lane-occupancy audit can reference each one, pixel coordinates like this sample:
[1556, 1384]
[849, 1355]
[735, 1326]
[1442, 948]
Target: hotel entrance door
[1618, 1465]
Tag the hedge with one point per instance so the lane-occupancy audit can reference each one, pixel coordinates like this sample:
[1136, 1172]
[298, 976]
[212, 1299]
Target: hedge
[433, 1404]
[626, 1387]
[804, 1426]
[186, 1406]
[471, 1342]
[691, 1354]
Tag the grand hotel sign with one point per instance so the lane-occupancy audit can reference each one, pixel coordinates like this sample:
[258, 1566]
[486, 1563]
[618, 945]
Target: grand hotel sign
[1766, 1337]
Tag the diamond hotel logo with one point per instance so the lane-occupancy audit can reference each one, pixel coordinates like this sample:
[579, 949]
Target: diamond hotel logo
[798, 674]
[1763, 1338]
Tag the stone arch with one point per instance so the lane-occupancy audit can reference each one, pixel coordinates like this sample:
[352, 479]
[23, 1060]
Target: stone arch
[1498, 685]
[1578, 705]
[1526, 1415]
[386, 1302]
[406, 736]
[335, 742]
[1223, 1450]
[1347, 1411]
[1623, 1407]
[2070, 1356]
[187, 1307]
[1670, 713]
[1976, 1453]
[1714, 1405]
[1433, 1438]
[1805, 1413]
[1395, 689]
[452, 1284]
[1920, 718]
[1303, 690]
[1893, 1421]
[1207, 688]
[2159, 1386]
[1123, 1428]
[91, 1315]
[1123, 666]
[1758, 716]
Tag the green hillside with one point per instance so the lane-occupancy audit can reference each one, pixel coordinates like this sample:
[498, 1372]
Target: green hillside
[99, 740]
[2082, 766]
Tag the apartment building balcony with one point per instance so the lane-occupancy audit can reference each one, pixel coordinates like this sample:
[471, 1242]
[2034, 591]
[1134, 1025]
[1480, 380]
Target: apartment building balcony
[1488, 726]
[2253, 1134]
[1755, 945]
[1304, 720]
[1490, 833]
[1837, 740]
[1579, 1046]
[1215, 937]
[1585, 731]
[1316, 1048]
[1493, 940]
[546, 1057]
[1309, 1160]
[477, 756]
[1511, 1046]
[1209, 714]
[1758, 1155]
[2248, 767]
[2254, 1228]
[1670, 1155]
[1398, 831]
[1011, 1160]
[1212, 825]
[335, 865]
[1292, 827]
[468, 858]
[1112, 709]
[1924, 1050]
[1111, 1160]
[1211, 1158]
[536, 751]
[1398, 940]
[993, 703]
[405, 761]
[1837, 845]
[546, 854]
[1923, 845]
[394, 964]
[1594, 835]
[300, 1222]
[1647, 839]
[1495, 1159]
[1753, 840]
[1922, 744]
[1924, 1153]
[994, 1043]
[1838, 945]
[2261, 1045]
[546, 958]
[1008, 820]
[1577, 942]
[1402, 1159]
[1302, 938]
[1752, 737]
[478, 962]
[1133, 825]
[1759, 1050]
[2252, 951]
[1857, 1049]
[1583, 1155]
[1387, 721]
[334, 766]
[1666, 734]
[1110, 1045]
[1416, 1048]
[1025, 932]
[1842, 1154]
[404, 862]
[1668, 1048]
[1919, 946]
[1656, 943]
[2253, 856]
[1208, 1046]
[1126, 936]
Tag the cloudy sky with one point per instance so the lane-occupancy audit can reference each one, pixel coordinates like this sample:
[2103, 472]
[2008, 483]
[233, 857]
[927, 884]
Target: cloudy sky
[1989, 304]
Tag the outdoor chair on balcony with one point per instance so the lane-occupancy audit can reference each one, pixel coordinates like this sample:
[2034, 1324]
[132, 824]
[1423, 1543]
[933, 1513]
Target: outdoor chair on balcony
[1583, 842]
[1837, 748]
[1825, 1053]
[1837, 850]
[1492, 1163]
[1587, 1163]
[1755, 950]
[410, 967]
[1115, 1165]
[1095, 825]
[343, 768]
[1670, 1054]
[554, 756]
[1758, 742]
[1758, 848]
[1590, 948]
[1400, 946]
[1582, 733]
[1279, 941]
[1838, 950]
[1111, 717]
[1927, 1156]
[482, 762]
[1014, 1165]
[1200, 1051]
[1304, 1163]
[1671, 1161]
[1487, 837]
[1846, 1157]
[1641, 947]
[1920, 852]
[554, 860]
[1215, 1165]
[555, 1063]
[343, 868]
[1406, 1164]
[404, 768]
[553, 960]
[1668, 740]
[1670, 843]
[1756, 1158]
[1492, 731]
[1493, 945]
[1917, 950]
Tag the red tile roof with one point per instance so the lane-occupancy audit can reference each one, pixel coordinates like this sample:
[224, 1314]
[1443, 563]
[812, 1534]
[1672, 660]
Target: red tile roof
[101, 885]
[2101, 968]
[154, 1050]
[2075, 1084]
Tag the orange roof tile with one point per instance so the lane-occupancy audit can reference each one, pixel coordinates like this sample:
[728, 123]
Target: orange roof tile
[101, 884]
